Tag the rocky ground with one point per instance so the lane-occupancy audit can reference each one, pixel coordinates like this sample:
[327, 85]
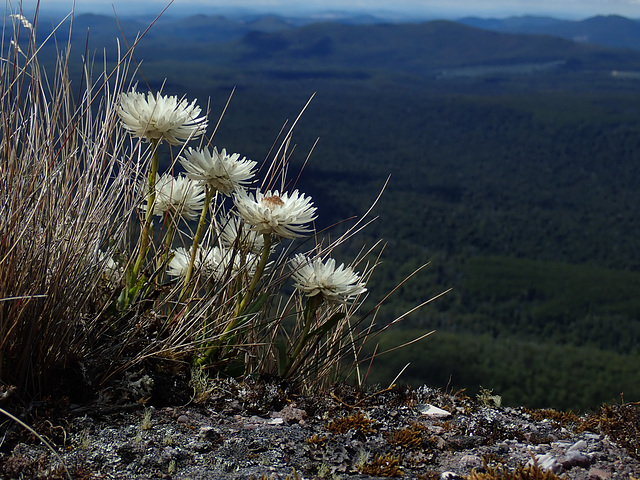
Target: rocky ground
[264, 430]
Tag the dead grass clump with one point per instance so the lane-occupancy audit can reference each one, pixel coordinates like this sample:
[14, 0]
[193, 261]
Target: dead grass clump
[383, 466]
[410, 437]
[63, 195]
[316, 441]
[532, 472]
[621, 423]
[561, 419]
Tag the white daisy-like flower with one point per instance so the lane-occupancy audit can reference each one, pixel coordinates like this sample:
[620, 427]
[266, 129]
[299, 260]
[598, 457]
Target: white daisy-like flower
[178, 196]
[273, 213]
[237, 234]
[161, 117]
[219, 260]
[179, 263]
[225, 173]
[315, 277]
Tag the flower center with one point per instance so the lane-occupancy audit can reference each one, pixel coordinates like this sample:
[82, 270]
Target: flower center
[272, 202]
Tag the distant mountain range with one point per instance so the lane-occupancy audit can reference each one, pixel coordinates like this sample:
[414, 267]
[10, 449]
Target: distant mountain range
[422, 49]
[610, 31]
[302, 48]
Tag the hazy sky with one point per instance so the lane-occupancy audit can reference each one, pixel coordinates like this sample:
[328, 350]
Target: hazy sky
[577, 9]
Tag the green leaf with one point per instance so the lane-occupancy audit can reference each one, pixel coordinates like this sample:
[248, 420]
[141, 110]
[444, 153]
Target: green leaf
[123, 300]
[328, 325]
[283, 359]
[256, 306]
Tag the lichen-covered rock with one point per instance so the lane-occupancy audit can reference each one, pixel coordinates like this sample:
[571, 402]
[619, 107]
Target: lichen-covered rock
[347, 433]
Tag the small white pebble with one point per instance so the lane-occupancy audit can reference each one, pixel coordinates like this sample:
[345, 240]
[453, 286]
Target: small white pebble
[579, 445]
[432, 411]
[546, 462]
[450, 476]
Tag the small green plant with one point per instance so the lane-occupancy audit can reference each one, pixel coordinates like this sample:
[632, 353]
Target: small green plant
[83, 440]
[362, 459]
[293, 476]
[199, 383]
[324, 471]
[488, 399]
[146, 423]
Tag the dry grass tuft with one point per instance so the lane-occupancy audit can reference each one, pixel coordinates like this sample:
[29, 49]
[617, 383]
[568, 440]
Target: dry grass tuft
[64, 195]
[560, 418]
[620, 422]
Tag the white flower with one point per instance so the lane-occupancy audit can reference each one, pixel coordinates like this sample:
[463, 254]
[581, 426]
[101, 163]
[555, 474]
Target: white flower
[272, 213]
[161, 117]
[218, 261]
[223, 172]
[237, 234]
[178, 196]
[314, 277]
[179, 263]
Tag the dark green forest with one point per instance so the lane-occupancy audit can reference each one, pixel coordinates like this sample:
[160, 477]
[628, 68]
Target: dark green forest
[514, 165]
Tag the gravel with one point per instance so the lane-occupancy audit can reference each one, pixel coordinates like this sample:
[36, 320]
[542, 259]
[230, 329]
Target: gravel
[263, 429]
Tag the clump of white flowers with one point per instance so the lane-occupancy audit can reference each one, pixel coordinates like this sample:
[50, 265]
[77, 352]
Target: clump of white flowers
[190, 260]
[25, 22]
[221, 262]
[179, 263]
[227, 261]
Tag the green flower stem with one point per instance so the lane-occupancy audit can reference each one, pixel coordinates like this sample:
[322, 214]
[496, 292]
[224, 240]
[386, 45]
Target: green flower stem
[145, 235]
[168, 240]
[243, 302]
[310, 309]
[264, 258]
[196, 238]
